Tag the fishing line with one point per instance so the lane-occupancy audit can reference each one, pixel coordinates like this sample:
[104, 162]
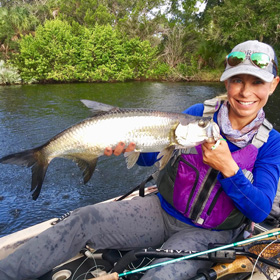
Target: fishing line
[93, 267]
[150, 260]
[79, 268]
[255, 264]
[132, 266]
[102, 267]
[250, 240]
[238, 188]
[90, 255]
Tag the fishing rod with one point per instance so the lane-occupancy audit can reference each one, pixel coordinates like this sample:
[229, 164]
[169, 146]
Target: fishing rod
[225, 256]
[115, 275]
[264, 252]
[222, 256]
[241, 265]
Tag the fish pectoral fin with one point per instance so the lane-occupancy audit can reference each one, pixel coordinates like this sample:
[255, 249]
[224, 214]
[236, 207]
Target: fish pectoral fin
[131, 158]
[87, 167]
[165, 155]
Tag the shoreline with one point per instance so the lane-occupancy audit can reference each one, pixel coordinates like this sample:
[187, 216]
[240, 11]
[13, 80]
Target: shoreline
[169, 80]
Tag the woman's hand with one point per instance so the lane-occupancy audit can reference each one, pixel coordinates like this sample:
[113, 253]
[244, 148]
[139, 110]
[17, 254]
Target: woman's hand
[120, 148]
[219, 157]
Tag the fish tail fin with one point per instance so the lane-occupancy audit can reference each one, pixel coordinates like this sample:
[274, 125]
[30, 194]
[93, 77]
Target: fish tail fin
[28, 158]
[25, 158]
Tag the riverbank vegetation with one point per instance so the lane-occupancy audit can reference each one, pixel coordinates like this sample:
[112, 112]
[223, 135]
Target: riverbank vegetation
[116, 40]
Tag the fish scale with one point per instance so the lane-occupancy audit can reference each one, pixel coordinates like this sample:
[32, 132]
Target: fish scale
[94, 136]
[85, 142]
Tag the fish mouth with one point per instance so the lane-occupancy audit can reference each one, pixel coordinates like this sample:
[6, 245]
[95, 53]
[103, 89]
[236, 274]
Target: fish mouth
[212, 132]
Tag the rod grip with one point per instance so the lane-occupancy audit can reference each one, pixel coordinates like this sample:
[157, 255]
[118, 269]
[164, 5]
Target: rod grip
[112, 276]
[241, 265]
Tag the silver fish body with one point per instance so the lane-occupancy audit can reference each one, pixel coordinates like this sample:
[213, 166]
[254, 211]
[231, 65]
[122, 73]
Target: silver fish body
[84, 142]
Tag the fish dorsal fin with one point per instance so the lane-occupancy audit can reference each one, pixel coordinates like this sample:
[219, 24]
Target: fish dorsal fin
[131, 158]
[165, 156]
[97, 107]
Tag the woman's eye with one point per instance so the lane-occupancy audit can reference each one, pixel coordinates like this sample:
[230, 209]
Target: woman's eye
[258, 82]
[236, 80]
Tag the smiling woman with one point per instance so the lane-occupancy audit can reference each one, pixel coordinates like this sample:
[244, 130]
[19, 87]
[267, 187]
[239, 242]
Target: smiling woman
[247, 95]
[250, 78]
[207, 194]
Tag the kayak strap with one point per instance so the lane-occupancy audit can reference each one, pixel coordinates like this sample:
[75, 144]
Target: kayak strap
[63, 217]
[140, 187]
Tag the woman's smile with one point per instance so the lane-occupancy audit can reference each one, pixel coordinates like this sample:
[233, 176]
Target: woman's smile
[247, 94]
[246, 103]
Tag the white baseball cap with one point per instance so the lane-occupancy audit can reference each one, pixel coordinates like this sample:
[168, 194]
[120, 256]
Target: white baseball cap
[242, 57]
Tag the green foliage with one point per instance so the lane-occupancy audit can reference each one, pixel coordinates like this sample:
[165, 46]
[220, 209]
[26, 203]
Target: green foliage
[90, 12]
[85, 12]
[63, 52]
[41, 57]
[106, 40]
[109, 56]
[191, 67]
[160, 70]
[210, 55]
[8, 74]
[18, 18]
[231, 22]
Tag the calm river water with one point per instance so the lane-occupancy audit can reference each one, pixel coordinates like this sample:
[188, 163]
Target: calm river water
[31, 114]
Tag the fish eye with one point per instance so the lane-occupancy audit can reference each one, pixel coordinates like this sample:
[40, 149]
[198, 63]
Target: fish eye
[202, 123]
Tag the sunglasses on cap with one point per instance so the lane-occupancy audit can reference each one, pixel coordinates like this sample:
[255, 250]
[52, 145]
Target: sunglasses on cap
[260, 60]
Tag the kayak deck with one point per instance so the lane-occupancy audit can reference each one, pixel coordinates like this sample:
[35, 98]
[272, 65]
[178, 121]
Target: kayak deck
[91, 264]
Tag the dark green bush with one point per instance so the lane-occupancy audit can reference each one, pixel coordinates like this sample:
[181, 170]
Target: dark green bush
[62, 52]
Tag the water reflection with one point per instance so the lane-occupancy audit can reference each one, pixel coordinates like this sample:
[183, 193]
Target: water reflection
[31, 114]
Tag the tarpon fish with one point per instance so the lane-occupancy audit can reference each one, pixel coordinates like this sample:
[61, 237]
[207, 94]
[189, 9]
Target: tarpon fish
[84, 142]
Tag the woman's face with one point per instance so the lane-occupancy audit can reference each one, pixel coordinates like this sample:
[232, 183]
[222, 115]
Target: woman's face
[247, 94]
